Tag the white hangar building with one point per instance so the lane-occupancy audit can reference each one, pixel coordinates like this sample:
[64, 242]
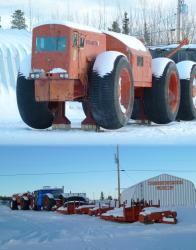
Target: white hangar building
[170, 190]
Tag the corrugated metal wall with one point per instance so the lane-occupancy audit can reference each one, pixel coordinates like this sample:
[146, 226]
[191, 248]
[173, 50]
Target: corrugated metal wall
[170, 190]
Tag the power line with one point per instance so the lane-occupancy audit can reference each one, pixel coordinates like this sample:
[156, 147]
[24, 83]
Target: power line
[99, 171]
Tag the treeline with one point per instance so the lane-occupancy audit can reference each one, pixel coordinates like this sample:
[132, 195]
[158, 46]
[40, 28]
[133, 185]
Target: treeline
[156, 25]
[5, 198]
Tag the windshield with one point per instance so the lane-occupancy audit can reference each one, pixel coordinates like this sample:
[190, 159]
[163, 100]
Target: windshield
[51, 44]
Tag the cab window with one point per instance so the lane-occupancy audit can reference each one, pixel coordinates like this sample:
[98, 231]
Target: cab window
[81, 42]
[51, 44]
[75, 40]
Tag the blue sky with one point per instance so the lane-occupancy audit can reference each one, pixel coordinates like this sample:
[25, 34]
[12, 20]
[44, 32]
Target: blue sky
[93, 166]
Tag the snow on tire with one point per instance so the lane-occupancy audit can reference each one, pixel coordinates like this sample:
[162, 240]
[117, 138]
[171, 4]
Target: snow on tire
[187, 109]
[34, 114]
[112, 95]
[162, 100]
[24, 204]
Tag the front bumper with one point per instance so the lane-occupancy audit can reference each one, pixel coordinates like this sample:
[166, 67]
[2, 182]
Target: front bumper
[58, 90]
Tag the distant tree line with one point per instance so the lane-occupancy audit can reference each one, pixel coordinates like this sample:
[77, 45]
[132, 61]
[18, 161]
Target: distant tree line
[5, 198]
[156, 25]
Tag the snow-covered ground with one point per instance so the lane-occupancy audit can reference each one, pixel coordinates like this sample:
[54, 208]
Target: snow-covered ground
[21, 230]
[14, 132]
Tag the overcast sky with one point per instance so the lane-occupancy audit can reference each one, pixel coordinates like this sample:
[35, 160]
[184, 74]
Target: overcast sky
[53, 8]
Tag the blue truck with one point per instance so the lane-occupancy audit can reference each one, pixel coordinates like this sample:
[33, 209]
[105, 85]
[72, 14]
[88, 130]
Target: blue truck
[45, 199]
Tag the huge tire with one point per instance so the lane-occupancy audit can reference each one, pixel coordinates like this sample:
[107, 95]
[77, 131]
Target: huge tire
[162, 100]
[48, 203]
[13, 205]
[111, 97]
[34, 114]
[85, 106]
[24, 204]
[187, 110]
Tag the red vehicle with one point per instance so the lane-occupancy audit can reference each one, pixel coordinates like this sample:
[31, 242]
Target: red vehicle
[152, 215]
[128, 214]
[21, 201]
[105, 71]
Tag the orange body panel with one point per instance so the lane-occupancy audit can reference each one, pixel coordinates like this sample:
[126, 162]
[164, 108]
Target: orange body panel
[77, 60]
[142, 75]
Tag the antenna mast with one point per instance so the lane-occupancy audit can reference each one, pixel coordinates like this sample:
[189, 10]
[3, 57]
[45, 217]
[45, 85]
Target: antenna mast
[117, 161]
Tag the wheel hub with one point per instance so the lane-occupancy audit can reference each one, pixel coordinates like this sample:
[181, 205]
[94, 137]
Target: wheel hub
[173, 92]
[124, 90]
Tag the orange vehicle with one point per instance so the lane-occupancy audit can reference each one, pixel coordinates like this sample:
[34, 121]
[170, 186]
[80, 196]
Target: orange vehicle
[152, 215]
[21, 201]
[105, 71]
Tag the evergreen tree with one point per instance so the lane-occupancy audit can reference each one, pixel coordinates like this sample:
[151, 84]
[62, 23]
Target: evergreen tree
[18, 20]
[102, 196]
[109, 197]
[125, 21]
[0, 22]
[115, 27]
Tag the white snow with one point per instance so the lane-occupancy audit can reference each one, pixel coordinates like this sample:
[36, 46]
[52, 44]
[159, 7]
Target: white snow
[25, 66]
[158, 66]
[71, 25]
[66, 195]
[101, 206]
[116, 212]
[184, 69]
[150, 210]
[57, 70]
[166, 219]
[85, 206]
[21, 230]
[15, 45]
[62, 208]
[50, 196]
[104, 62]
[129, 41]
[25, 198]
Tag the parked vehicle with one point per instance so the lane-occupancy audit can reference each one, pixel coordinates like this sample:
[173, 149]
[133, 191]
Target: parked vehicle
[105, 71]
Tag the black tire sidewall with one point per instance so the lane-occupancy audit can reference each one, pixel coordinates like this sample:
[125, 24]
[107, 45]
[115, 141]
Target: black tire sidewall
[156, 102]
[123, 63]
[187, 110]
[104, 96]
[34, 114]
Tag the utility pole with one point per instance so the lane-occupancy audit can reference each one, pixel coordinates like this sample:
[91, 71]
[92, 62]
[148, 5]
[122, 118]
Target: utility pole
[117, 161]
[178, 28]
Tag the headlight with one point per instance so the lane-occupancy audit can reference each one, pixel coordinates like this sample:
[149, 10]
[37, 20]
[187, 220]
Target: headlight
[63, 75]
[35, 75]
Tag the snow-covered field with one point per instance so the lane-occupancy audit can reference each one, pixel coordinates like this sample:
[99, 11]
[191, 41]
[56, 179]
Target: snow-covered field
[14, 132]
[21, 230]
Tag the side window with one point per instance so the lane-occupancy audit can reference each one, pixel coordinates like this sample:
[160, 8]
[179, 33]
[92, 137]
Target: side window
[75, 40]
[140, 61]
[82, 42]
